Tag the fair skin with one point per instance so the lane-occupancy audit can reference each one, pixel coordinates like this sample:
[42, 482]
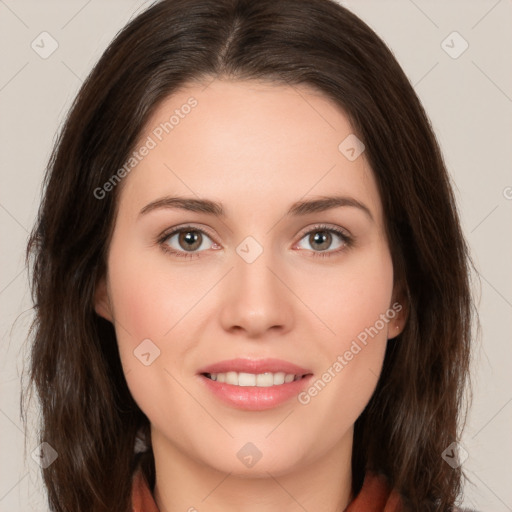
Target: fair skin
[256, 148]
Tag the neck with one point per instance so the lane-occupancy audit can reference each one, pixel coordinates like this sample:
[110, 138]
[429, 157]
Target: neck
[184, 484]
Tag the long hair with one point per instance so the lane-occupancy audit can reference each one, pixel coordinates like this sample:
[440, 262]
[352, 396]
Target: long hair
[87, 413]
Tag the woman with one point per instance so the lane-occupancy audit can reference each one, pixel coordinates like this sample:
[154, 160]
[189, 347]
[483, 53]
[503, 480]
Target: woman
[194, 348]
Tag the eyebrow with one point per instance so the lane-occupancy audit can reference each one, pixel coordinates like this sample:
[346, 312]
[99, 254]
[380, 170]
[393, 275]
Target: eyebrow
[216, 209]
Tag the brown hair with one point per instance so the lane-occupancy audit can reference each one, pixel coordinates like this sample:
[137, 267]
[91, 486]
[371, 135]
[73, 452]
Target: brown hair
[88, 414]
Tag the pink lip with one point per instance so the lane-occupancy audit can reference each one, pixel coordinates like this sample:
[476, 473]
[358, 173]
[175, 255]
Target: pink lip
[254, 366]
[254, 398]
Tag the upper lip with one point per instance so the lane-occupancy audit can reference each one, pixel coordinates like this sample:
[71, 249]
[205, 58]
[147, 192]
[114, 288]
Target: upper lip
[255, 366]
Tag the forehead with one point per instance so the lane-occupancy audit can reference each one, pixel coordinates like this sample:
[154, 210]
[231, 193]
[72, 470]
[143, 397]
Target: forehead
[250, 143]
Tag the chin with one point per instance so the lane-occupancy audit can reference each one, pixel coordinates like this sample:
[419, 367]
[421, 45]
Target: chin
[246, 459]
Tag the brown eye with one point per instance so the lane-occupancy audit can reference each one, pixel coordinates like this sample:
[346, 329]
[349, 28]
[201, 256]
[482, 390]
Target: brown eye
[187, 241]
[322, 238]
[190, 240]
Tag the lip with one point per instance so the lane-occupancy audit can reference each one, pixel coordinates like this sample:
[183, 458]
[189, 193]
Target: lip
[254, 398]
[254, 366]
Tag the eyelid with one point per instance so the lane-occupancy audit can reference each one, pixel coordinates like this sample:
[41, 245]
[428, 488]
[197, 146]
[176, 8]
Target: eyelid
[344, 234]
[325, 227]
[183, 227]
[168, 232]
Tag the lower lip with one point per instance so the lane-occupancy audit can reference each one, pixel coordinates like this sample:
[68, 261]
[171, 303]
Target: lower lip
[254, 398]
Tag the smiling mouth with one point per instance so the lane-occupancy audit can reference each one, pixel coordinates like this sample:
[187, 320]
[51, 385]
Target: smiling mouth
[261, 380]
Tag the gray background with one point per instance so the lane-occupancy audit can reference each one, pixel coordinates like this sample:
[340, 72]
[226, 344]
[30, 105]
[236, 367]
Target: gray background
[468, 98]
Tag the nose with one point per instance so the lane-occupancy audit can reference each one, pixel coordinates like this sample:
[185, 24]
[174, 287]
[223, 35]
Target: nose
[256, 298]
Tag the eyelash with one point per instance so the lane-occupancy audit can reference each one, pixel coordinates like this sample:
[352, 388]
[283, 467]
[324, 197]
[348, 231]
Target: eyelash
[346, 240]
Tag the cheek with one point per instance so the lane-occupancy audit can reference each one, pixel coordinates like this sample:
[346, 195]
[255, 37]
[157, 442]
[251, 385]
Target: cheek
[148, 306]
[148, 299]
[153, 302]
[358, 311]
[355, 298]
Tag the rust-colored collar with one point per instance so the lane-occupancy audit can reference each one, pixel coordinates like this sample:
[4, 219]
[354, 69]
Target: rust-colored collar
[375, 496]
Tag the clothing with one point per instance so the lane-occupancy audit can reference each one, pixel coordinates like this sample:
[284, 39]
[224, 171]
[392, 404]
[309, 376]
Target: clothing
[142, 499]
[375, 496]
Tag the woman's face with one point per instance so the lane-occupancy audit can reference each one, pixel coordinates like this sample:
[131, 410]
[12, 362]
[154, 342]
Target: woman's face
[287, 290]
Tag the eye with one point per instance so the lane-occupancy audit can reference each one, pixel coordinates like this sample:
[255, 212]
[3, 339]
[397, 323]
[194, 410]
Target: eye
[321, 238]
[189, 241]
[186, 241]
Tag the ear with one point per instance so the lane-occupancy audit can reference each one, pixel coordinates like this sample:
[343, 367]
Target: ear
[400, 306]
[102, 301]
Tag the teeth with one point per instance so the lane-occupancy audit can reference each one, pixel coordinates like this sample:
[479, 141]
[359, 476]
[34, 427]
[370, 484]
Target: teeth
[262, 380]
[278, 378]
[232, 378]
[245, 379]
